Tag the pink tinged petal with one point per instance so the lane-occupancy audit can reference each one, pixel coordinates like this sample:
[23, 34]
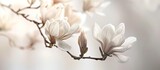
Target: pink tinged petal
[54, 29]
[51, 13]
[60, 10]
[117, 40]
[129, 41]
[43, 12]
[64, 46]
[121, 58]
[120, 29]
[74, 29]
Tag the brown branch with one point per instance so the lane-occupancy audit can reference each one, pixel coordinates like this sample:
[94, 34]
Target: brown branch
[25, 17]
[28, 7]
[89, 57]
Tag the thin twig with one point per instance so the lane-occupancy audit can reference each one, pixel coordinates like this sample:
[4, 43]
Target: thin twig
[25, 17]
[89, 57]
[28, 7]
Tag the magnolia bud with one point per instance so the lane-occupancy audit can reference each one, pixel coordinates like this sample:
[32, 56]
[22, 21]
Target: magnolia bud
[82, 42]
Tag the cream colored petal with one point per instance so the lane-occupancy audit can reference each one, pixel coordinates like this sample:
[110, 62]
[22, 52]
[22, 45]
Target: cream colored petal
[64, 27]
[129, 41]
[121, 58]
[105, 4]
[108, 32]
[54, 29]
[121, 49]
[117, 40]
[43, 12]
[120, 29]
[51, 13]
[74, 28]
[97, 33]
[63, 46]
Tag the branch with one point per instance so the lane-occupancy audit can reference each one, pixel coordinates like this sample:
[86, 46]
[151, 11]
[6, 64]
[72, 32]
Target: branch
[25, 17]
[28, 7]
[89, 57]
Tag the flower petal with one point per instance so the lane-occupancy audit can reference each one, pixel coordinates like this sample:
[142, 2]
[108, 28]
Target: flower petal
[108, 32]
[64, 27]
[117, 40]
[121, 58]
[120, 29]
[74, 28]
[121, 49]
[63, 46]
[97, 33]
[129, 41]
[53, 28]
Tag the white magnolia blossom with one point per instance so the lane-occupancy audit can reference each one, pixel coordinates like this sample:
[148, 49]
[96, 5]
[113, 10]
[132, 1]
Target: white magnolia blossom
[112, 40]
[59, 29]
[93, 6]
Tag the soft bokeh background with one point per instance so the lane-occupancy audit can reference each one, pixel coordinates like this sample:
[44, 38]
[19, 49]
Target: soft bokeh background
[141, 17]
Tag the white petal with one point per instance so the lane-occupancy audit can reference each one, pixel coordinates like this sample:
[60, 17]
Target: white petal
[120, 29]
[51, 12]
[74, 28]
[63, 46]
[64, 27]
[108, 32]
[54, 29]
[43, 12]
[129, 41]
[99, 13]
[121, 49]
[97, 33]
[105, 4]
[117, 40]
[96, 30]
[121, 58]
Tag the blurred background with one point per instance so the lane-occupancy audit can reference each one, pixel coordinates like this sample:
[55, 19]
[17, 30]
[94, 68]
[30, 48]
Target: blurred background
[142, 20]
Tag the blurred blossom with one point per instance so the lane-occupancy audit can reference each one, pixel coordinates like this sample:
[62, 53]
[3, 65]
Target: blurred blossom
[5, 21]
[112, 40]
[94, 6]
[73, 16]
[60, 1]
[50, 12]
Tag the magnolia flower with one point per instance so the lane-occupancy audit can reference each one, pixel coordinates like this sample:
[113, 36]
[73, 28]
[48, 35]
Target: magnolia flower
[112, 40]
[50, 12]
[58, 30]
[91, 6]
